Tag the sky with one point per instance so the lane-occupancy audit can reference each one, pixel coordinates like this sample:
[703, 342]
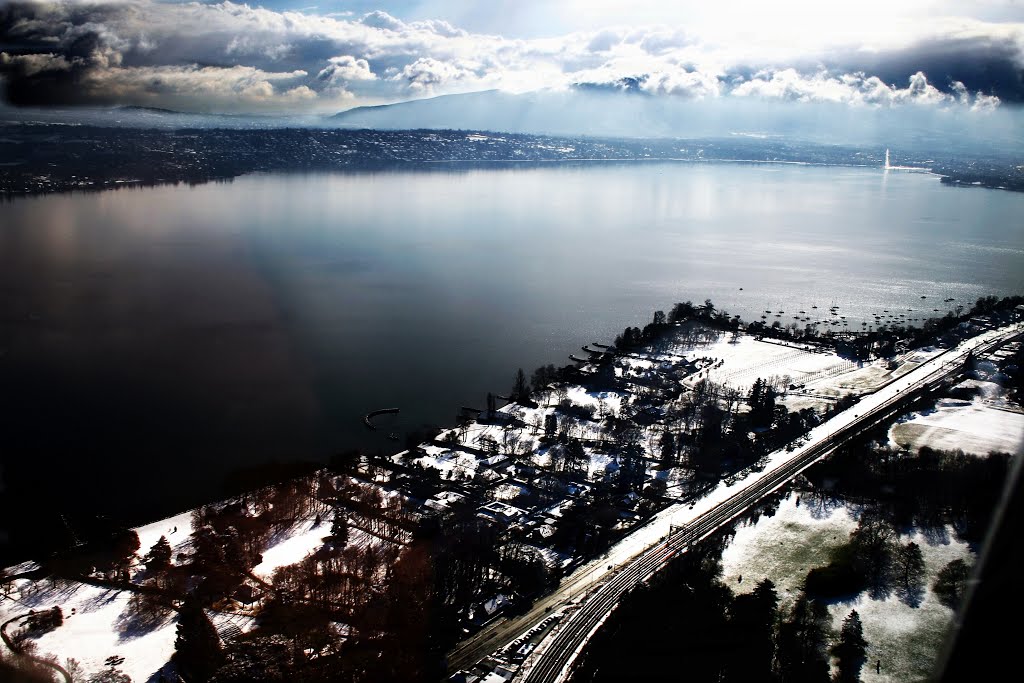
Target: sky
[301, 56]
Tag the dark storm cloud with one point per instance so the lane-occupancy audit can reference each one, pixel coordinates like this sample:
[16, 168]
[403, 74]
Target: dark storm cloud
[991, 65]
[42, 60]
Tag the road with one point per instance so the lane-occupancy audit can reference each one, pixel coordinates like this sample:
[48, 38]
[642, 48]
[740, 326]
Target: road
[38, 660]
[589, 594]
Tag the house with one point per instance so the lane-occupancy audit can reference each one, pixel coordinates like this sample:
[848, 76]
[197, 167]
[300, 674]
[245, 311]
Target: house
[488, 609]
[247, 594]
[501, 513]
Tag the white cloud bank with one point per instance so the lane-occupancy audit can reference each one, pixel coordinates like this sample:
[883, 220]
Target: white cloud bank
[233, 57]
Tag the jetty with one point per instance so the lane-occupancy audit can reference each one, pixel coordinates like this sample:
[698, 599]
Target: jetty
[367, 419]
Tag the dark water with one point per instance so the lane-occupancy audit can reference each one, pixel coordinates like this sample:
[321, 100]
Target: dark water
[152, 340]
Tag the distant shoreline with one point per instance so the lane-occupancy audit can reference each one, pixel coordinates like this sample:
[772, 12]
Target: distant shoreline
[50, 159]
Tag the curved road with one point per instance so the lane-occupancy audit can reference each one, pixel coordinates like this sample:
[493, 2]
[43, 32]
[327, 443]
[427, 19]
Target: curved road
[671, 531]
[38, 660]
[554, 662]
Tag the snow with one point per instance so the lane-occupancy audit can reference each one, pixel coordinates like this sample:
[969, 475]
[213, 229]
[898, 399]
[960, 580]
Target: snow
[598, 464]
[100, 627]
[970, 426]
[508, 491]
[654, 530]
[786, 546]
[304, 539]
[22, 568]
[746, 359]
[447, 460]
[580, 396]
[149, 534]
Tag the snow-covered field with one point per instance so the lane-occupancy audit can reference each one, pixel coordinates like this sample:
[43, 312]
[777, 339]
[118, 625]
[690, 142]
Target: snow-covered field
[294, 547]
[971, 426]
[866, 377]
[799, 537]
[100, 623]
[747, 359]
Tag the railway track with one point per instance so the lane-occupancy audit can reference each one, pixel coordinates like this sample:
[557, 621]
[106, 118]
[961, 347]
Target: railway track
[554, 662]
[551, 662]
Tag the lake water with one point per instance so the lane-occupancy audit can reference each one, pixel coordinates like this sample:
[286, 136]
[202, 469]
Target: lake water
[153, 339]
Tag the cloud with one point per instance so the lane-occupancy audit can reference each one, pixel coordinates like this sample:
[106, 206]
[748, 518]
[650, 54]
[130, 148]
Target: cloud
[237, 57]
[235, 88]
[31, 65]
[857, 89]
[382, 20]
[346, 68]
[427, 75]
[676, 82]
[986, 58]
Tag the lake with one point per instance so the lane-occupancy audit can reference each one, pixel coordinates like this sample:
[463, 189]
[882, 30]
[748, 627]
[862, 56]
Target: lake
[151, 340]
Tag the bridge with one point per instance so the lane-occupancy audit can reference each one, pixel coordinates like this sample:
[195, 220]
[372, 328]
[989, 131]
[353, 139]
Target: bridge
[591, 592]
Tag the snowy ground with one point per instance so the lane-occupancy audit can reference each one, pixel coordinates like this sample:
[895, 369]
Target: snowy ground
[177, 530]
[306, 537]
[747, 359]
[593, 573]
[800, 536]
[448, 460]
[970, 426]
[97, 624]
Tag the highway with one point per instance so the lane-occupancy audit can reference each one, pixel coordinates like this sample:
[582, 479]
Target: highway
[588, 595]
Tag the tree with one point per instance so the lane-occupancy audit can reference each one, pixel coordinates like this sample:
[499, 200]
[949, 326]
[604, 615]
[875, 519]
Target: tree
[197, 650]
[543, 376]
[681, 311]
[802, 643]
[123, 548]
[659, 317]
[510, 439]
[520, 388]
[159, 556]
[339, 530]
[576, 459]
[908, 571]
[110, 675]
[951, 583]
[550, 425]
[752, 617]
[74, 668]
[668, 448]
[491, 405]
[874, 542]
[851, 650]
[632, 468]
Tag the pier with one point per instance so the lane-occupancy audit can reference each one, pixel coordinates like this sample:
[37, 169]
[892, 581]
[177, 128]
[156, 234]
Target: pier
[369, 416]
